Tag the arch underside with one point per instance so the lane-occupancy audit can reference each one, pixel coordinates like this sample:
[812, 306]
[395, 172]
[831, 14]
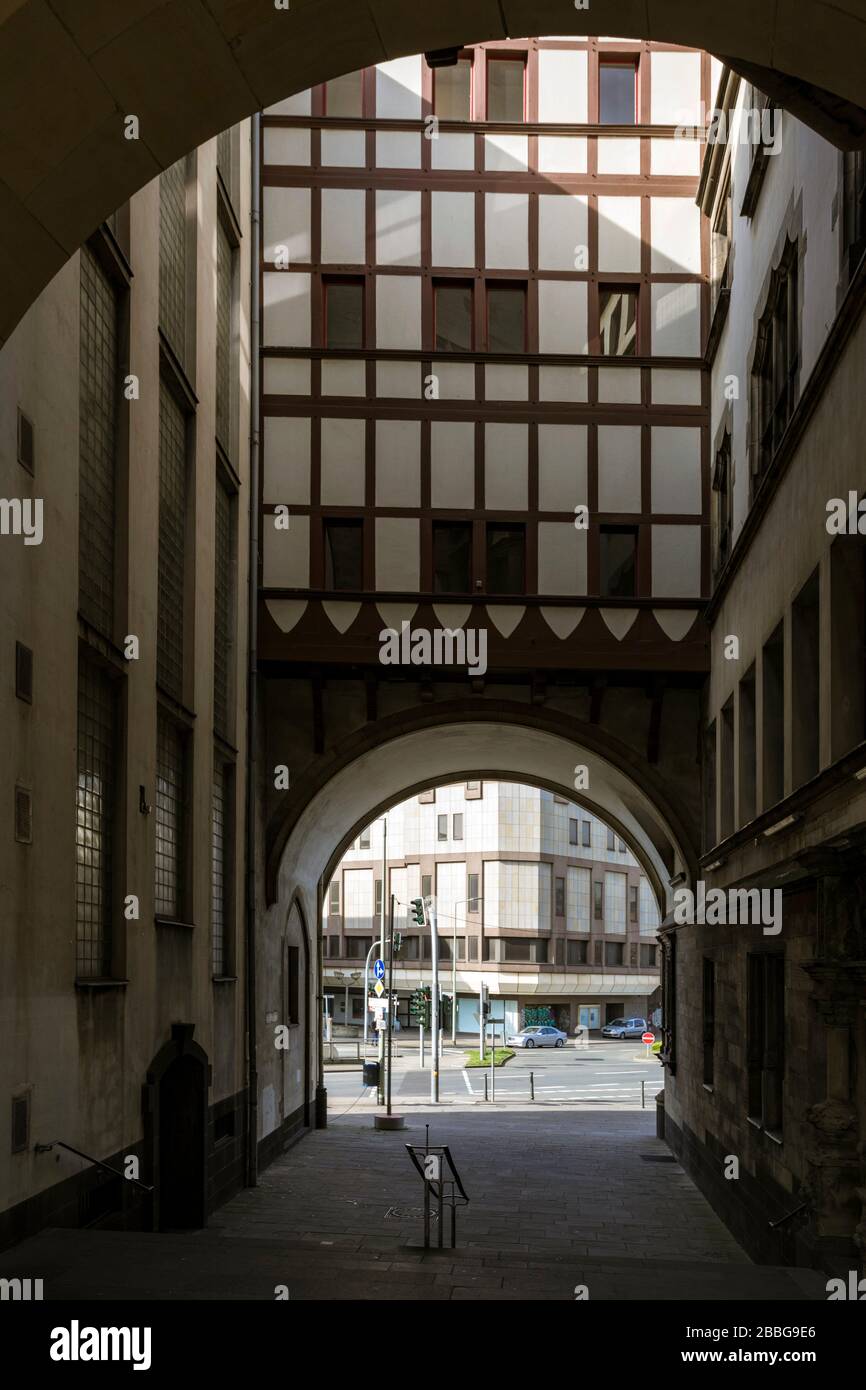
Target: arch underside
[71, 74]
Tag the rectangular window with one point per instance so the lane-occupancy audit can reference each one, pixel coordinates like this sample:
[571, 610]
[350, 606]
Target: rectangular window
[633, 902]
[99, 396]
[453, 315]
[426, 885]
[805, 679]
[173, 256]
[720, 244]
[225, 269]
[357, 947]
[854, 207]
[506, 80]
[578, 899]
[441, 827]
[506, 562]
[614, 953]
[614, 903]
[171, 814]
[726, 769]
[344, 312]
[377, 898]
[709, 1019]
[586, 833]
[457, 826]
[572, 831]
[617, 320]
[452, 91]
[847, 635]
[473, 948]
[597, 900]
[220, 865]
[577, 952]
[748, 747]
[506, 316]
[648, 957]
[171, 571]
[472, 890]
[774, 717]
[649, 909]
[611, 840]
[617, 92]
[95, 820]
[559, 897]
[723, 505]
[618, 561]
[364, 839]
[517, 895]
[765, 1045]
[224, 625]
[777, 362]
[334, 898]
[452, 557]
[344, 96]
[344, 554]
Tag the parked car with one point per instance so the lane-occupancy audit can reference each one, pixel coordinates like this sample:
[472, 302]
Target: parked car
[538, 1036]
[624, 1028]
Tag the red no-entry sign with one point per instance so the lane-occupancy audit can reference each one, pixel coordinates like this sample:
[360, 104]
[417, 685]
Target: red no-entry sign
[648, 1037]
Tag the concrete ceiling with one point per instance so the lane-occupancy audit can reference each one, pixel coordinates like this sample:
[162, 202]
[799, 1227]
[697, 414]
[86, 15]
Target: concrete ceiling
[71, 70]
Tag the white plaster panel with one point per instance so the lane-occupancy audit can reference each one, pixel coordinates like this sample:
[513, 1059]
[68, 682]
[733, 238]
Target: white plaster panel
[286, 145]
[286, 376]
[506, 467]
[451, 150]
[398, 149]
[675, 229]
[676, 320]
[619, 468]
[398, 311]
[562, 469]
[286, 460]
[562, 230]
[401, 379]
[453, 228]
[679, 157]
[676, 88]
[619, 243]
[676, 561]
[563, 384]
[398, 226]
[398, 89]
[561, 154]
[561, 558]
[676, 469]
[298, 105]
[344, 148]
[619, 385]
[506, 153]
[398, 553]
[286, 554]
[506, 382]
[562, 86]
[286, 308]
[398, 463]
[343, 240]
[452, 463]
[344, 378]
[343, 462]
[507, 229]
[673, 387]
[456, 381]
[618, 156]
[562, 325]
[286, 222]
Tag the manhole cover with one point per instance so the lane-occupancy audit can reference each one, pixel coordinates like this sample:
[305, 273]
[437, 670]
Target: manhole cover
[658, 1158]
[409, 1214]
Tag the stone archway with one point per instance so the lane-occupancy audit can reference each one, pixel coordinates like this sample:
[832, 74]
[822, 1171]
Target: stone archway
[97, 99]
[176, 1126]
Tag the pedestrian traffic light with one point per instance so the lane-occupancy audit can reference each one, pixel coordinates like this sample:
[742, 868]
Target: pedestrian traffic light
[418, 911]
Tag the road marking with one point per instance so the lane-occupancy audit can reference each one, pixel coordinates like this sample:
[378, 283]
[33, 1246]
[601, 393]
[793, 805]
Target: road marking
[468, 1082]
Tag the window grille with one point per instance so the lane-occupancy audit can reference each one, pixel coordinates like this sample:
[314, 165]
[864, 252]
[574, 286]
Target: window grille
[173, 256]
[224, 297]
[94, 820]
[223, 604]
[97, 443]
[219, 867]
[170, 818]
[172, 543]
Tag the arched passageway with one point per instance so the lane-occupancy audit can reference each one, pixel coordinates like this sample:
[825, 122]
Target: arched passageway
[96, 99]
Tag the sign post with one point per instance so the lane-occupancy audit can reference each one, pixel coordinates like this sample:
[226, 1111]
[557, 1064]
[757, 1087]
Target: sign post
[648, 1038]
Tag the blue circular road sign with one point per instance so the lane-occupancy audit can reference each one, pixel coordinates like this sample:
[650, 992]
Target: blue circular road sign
[379, 970]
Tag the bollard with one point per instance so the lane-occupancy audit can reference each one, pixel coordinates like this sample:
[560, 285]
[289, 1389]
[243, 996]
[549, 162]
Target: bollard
[643, 1095]
[485, 1085]
[532, 1085]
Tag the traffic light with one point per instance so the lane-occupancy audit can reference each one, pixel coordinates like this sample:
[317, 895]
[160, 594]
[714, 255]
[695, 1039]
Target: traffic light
[485, 1002]
[396, 943]
[419, 1006]
[417, 906]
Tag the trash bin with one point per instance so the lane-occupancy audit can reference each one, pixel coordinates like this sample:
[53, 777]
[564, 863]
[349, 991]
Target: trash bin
[660, 1115]
[371, 1073]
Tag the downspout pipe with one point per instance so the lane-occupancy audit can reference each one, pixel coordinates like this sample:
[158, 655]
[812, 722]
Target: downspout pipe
[252, 650]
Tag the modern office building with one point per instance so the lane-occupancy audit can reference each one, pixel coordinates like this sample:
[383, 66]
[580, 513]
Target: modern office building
[535, 898]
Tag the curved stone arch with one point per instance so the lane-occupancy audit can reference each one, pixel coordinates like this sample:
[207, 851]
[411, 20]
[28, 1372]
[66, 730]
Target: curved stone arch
[374, 770]
[186, 69]
[306, 993]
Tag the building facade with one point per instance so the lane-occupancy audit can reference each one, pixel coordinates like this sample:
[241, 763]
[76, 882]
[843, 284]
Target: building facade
[535, 898]
[766, 1042]
[124, 422]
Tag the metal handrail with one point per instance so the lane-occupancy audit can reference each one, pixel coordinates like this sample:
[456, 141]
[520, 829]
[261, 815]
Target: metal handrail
[774, 1225]
[60, 1144]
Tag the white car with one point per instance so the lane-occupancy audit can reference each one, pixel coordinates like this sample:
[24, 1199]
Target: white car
[539, 1036]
